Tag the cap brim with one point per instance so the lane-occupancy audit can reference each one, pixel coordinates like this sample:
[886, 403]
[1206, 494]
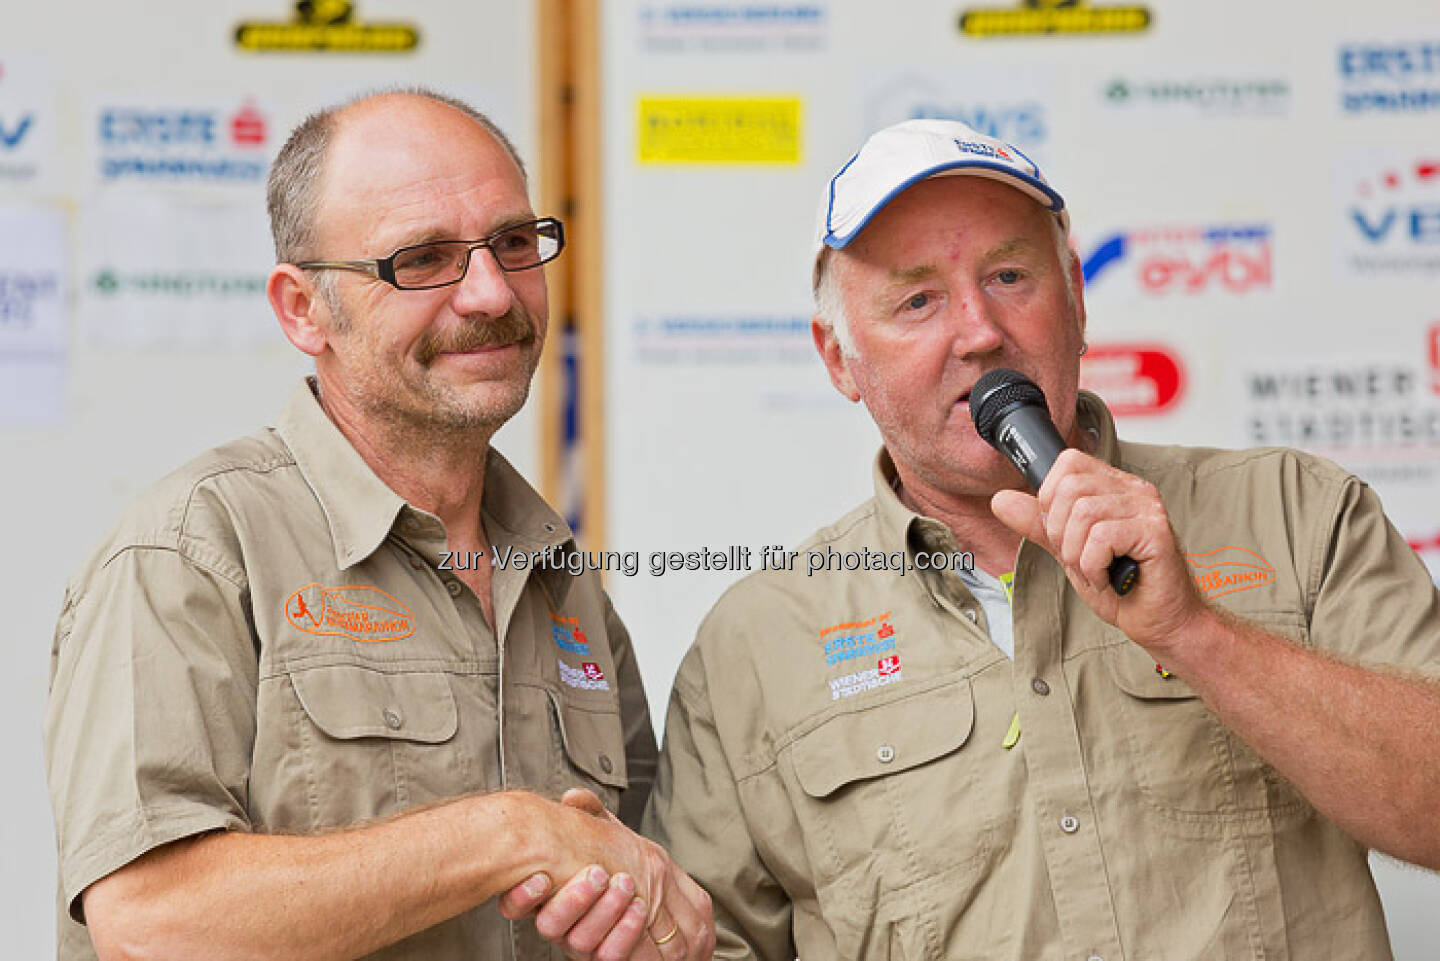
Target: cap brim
[1036, 189]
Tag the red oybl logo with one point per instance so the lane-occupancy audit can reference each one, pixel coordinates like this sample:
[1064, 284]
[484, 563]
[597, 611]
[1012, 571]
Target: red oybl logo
[1234, 258]
[889, 665]
[592, 671]
[1134, 379]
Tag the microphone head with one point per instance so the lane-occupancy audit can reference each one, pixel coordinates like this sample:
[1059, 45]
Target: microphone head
[998, 393]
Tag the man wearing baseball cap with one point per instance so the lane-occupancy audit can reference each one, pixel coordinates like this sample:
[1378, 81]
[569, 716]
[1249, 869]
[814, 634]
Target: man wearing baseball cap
[1015, 762]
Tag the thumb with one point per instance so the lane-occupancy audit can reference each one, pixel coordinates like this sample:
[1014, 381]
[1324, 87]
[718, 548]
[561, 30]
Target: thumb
[584, 800]
[1020, 512]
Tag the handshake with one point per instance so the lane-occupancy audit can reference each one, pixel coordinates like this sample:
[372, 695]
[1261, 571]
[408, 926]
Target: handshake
[624, 898]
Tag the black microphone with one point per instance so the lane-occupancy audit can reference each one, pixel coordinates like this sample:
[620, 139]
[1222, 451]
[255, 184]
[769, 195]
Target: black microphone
[1010, 415]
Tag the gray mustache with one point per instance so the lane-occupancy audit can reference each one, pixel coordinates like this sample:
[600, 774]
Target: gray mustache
[511, 327]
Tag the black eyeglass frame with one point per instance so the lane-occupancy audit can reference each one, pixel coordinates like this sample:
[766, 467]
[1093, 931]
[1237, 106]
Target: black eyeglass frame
[383, 268]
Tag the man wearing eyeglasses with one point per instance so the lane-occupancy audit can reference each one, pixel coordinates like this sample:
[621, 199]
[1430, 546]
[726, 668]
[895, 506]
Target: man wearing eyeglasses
[295, 711]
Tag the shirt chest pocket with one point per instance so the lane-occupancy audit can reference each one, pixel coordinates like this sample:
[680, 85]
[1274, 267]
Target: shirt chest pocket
[890, 795]
[592, 754]
[1190, 769]
[375, 742]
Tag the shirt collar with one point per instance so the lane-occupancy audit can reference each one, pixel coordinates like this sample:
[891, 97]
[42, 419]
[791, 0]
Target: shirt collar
[360, 508]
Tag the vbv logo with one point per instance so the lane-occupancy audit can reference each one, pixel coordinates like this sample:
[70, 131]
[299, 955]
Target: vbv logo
[1187, 261]
[1390, 217]
[13, 130]
[1400, 206]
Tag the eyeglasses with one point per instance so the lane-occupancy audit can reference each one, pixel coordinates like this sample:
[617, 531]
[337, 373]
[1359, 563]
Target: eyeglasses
[444, 262]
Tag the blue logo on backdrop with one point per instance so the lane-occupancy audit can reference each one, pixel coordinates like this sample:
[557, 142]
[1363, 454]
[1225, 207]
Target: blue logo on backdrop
[14, 131]
[182, 144]
[1022, 123]
[1400, 77]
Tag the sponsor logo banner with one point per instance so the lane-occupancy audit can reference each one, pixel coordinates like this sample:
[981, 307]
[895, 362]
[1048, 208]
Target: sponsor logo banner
[32, 315]
[1186, 261]
[1432, 353]
[1053, 18]
[1398, 77]
[1389, 214]
[27, 120]
[326, 26]
[733, 27]
[164, 269]
[672, 340]
[718, 130]
[1375, 416]
[1134, 380]
[1204, 95]
[182, 144]
[1014, 111]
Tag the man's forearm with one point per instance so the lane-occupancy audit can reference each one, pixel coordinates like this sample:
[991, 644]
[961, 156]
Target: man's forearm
[1362, 745]
[340, 895]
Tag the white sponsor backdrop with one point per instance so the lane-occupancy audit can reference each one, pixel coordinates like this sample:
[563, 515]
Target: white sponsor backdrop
[1255, 189]
[134, 331]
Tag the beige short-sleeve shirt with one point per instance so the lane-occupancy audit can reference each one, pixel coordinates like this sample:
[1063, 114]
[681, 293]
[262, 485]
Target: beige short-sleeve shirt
[836, 770]
[272, 640]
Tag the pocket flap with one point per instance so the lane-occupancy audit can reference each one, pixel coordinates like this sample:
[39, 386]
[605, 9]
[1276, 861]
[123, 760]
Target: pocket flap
[594, 741]
[884, 739]
[1134, 671]
[348, 701]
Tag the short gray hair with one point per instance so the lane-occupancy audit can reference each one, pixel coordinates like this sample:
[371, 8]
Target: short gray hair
[292, 193]
[830, 305]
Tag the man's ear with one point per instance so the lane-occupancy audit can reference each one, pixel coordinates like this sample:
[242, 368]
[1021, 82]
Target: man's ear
[300, 309]
[836, 364]
[1077, 287]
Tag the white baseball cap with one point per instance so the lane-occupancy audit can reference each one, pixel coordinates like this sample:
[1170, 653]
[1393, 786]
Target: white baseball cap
[905, 154]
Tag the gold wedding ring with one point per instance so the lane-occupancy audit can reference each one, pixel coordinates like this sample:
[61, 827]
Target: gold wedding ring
[669, 937]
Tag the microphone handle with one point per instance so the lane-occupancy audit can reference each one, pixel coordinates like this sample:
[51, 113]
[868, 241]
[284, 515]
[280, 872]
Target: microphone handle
[1029, 438]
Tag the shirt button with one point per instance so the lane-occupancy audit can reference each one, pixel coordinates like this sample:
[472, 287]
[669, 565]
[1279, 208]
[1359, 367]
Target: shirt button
[549, 528]
[393, 719]
[453, 587]
[1094, 957]
[885, 754]
[970, 615]
[605, 764]
[1039, 686]
[1069, 823]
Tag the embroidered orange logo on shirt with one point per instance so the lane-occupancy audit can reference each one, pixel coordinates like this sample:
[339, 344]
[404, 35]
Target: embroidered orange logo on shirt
[360, 613]
[1227, 570]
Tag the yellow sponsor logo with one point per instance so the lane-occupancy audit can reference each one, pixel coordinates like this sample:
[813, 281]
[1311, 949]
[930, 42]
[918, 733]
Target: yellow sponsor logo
[1046, 17]
[719, 130]
[326, 26]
